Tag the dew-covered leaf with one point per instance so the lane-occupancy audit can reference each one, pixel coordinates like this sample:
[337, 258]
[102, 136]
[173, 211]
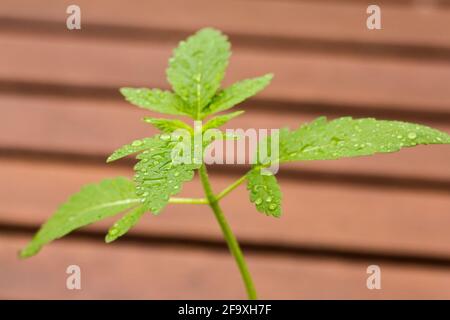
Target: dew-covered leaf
[124, 224]
[219, 121]
[236, 93]
[92, 203]
[168, 125]
[264, 191]
[347, 137]
[158, 175]
[155, 100]
[208, 139]
[134, 147]
[197, 68]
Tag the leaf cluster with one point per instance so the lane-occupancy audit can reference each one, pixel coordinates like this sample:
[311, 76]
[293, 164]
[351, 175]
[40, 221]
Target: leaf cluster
[195, 73]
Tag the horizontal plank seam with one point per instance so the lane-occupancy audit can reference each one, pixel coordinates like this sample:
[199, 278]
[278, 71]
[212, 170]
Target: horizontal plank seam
[242, 39]
[249, 246]
[389, 112]
[415, 3]
[311, 176]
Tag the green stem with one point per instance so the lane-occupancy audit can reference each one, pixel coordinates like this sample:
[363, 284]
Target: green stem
[188, 200]
[233, 245]
[231, 187]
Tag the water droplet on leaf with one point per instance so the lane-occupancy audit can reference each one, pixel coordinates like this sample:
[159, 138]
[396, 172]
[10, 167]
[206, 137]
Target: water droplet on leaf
[165, 137]
[136, 143]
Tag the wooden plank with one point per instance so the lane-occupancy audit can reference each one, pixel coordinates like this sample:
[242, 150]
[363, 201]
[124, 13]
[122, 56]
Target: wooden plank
[419, 25]
[151, 272]
[97, 127]
[330, 215]
[300, 77]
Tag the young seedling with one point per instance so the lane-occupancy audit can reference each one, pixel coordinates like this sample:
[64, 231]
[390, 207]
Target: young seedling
[195, 73]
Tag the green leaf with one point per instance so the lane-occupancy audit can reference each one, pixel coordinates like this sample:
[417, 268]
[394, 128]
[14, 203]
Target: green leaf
[221, 120]
[155, 100]
[94, 202]
[207, 140]
[197, 68]
[168, 125]
[158, 176]
[135, 146]
[265, 192]
[347, 137]
[124, 224]
[237, 93]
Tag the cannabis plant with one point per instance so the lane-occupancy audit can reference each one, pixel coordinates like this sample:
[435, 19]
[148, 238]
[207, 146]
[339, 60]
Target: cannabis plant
[195, 72]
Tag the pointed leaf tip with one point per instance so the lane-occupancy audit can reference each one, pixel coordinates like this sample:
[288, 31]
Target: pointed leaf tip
[123, 225]
[92, 203]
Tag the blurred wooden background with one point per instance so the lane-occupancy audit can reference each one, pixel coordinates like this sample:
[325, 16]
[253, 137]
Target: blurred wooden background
[62, 115]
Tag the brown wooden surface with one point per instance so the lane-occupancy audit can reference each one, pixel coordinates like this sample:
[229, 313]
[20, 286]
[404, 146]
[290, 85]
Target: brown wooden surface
[148, 272]
[62, 115]
[123, 271]
[300, 77]
[315, 20]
